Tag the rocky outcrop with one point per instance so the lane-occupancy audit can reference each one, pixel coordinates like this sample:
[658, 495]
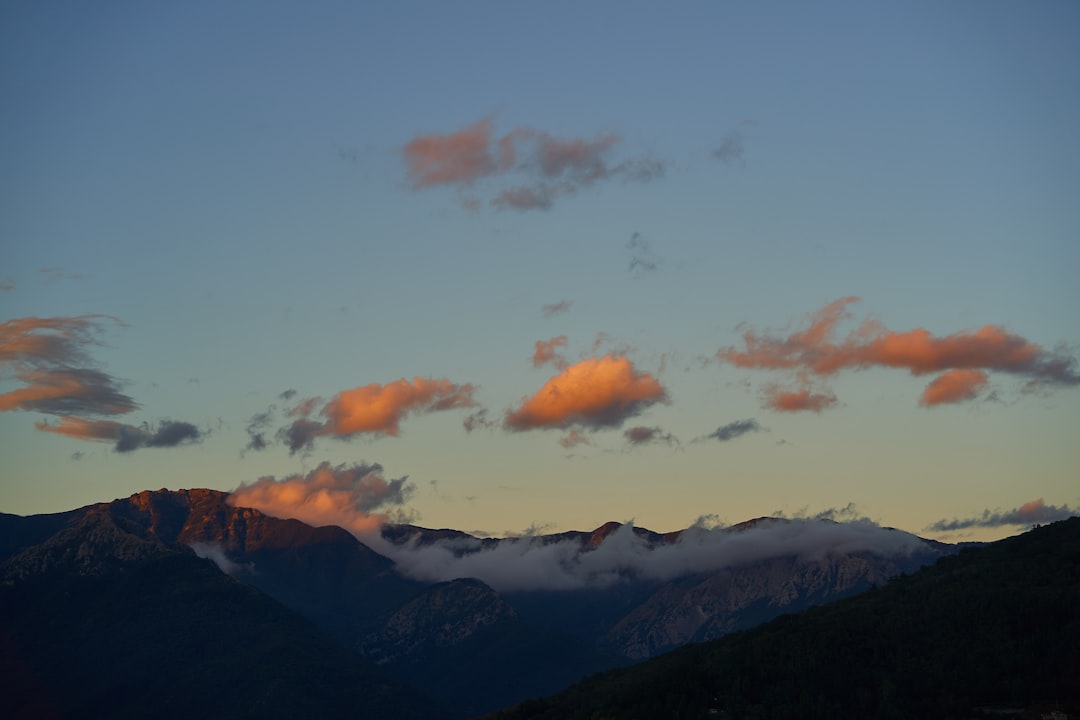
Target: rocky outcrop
[445, 615]
[705, 607]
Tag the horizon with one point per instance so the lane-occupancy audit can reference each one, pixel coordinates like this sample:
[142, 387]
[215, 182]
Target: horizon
[413, 264]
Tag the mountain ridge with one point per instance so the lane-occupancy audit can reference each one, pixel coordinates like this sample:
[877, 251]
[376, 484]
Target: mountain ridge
[621, 594]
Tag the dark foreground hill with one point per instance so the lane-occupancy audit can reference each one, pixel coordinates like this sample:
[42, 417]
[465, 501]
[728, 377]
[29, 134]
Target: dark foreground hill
[104, 619]
[985, 633]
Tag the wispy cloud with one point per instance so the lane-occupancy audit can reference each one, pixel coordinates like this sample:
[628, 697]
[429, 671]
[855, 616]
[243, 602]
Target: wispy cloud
[803, 398]
[537, 167]
[1030, 513]
[962, 358]
[374, 409]
[55, 274]
[734, 429]
[572, 439]
[547, 351]
[642, 435]
[642, 258]
[595, 393]
[731, 149]
[557, 308]
[356, 497]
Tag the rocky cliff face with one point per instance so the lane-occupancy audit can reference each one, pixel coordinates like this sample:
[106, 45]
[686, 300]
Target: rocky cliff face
[445, 615]
[699, 608]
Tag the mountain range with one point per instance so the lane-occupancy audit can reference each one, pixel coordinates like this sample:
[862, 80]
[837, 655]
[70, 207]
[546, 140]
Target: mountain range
[179, 597]
[990, 632]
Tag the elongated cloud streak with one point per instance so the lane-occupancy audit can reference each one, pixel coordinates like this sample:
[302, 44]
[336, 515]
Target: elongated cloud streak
[1036, 511]
[543, 167]
[168, 433]
[733, 430]
[777, 398]
[67, 390]
[49, 356]
[953, 386]
[594, 393]
[557, 308]
[356, 497]
[376, 409]
[962, 358]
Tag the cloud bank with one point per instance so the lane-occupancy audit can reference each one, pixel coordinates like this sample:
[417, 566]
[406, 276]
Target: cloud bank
[356, 497]
[538, 167]
[1029, 513]
[961, 359]
[533, 563]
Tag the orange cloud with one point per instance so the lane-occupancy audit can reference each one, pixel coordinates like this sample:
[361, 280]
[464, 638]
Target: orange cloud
[379, 409]
[71, 390]
[461, 157]
[376, 409]
[596, 392]
[547, 352]
[355, 497]
[33, 341]
[953, 386]
[550, 166]
[816, 351]
[169, 433]
[83, 429]
[794, 401]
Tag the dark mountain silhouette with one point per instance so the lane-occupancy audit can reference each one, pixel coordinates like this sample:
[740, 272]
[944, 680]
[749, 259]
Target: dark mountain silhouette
[106, 619]
[990, 632]
[473, 648]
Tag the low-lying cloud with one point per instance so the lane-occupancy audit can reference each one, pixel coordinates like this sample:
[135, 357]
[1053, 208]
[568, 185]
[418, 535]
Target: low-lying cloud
[1030, 513]
[533, 563]
[356, 497]
[538, 167]
[961, 360]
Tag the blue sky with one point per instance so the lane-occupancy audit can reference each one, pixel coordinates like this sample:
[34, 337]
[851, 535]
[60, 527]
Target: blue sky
[232, 183]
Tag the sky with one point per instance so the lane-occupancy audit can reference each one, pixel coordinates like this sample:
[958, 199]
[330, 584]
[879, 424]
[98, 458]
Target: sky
[532, 268]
